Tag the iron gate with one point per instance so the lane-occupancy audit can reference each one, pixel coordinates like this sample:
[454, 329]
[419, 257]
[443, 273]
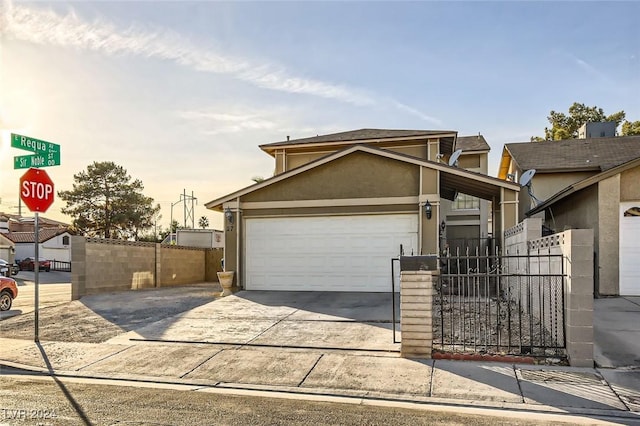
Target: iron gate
[512, 304]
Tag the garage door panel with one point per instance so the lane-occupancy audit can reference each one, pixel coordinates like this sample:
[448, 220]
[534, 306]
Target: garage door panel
[342, 253]
[629, 250]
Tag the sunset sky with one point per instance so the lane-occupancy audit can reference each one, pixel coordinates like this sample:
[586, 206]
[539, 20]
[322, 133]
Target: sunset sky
[182, 93]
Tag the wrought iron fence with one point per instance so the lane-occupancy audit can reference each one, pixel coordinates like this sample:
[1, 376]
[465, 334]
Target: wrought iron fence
[58, 265]
[500, 304]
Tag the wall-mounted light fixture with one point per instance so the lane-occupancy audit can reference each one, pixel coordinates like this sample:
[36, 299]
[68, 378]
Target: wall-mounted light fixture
[428, 209]
[228, 215]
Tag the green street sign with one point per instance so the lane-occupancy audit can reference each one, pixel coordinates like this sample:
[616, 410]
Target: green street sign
[36, 160]
[46, 154]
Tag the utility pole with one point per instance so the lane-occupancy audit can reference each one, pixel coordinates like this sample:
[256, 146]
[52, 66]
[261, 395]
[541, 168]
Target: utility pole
[187, 210]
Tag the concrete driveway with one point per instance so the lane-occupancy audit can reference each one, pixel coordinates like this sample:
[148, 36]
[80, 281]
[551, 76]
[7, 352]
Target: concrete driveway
[349, 321]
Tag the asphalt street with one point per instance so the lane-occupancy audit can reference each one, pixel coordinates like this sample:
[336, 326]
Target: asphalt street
[59, 401]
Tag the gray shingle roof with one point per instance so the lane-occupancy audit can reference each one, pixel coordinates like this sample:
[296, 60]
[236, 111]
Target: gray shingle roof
[472, 143]
[575, 154]
[362, 134]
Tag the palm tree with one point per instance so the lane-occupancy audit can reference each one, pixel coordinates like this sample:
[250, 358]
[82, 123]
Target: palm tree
[203, 222]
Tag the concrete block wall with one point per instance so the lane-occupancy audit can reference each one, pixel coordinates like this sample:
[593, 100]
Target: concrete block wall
[416, 312]
[213, 264]
[102, 266]
[576, 246]
[181, 265]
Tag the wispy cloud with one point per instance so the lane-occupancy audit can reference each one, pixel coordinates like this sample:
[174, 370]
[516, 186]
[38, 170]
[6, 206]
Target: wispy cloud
[46, 27]
[415, 112]
[592, 70]
[214, 123]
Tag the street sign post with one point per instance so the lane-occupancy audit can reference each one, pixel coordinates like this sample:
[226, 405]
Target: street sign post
[36, 190]
[45, 154]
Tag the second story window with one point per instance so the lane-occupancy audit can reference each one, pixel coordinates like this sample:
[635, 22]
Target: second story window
[466, 202]
[65, 240]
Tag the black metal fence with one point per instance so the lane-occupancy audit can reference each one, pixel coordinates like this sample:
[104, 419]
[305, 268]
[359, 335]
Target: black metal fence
[58, 265]
[500, 304]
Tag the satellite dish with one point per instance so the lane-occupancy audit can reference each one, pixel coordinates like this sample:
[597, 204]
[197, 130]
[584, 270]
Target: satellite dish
[453, 160]
[525, 179]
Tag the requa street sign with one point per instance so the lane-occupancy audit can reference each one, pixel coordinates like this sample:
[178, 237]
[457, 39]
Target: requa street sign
[45, 154]
[36, 190]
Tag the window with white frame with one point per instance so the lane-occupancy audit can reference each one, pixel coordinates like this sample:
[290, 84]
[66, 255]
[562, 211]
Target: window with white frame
[466, 202]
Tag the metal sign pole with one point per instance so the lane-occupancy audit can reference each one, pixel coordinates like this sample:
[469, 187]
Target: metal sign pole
[36, 270]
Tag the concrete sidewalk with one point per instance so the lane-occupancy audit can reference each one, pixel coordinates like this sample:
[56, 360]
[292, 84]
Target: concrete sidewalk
[317, 345]
[378, 375]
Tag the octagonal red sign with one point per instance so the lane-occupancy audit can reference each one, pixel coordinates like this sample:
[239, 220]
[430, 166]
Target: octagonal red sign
[36, 190]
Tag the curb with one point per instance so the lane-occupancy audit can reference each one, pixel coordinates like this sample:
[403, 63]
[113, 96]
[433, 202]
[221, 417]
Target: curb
[321, 394]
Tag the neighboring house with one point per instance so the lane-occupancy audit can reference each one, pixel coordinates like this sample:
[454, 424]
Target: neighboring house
[341, 206]
[587, 183]
[53, 236]
[7, 249]
[55, 244]
[17, 223]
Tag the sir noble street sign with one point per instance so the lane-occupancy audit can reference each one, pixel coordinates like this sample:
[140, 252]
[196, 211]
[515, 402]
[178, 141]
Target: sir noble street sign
[45, 154]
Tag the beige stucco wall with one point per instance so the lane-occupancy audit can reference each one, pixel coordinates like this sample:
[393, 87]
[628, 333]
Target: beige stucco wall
[630, 185]
[544, 185]
[296, 157]
[607, 236]
[355, 176]
[582, 211]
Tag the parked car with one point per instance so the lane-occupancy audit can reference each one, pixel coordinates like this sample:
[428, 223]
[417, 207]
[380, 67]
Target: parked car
[8, 292]
[7, 269]
[28, 264]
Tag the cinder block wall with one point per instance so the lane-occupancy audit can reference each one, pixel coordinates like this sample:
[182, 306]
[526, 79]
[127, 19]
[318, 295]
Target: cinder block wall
[102, 266]
[416, 311]
[576, 246]
[213, 264]
[181, 265]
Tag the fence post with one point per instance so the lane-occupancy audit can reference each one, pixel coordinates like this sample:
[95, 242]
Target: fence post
[416, 308]
[578, 250]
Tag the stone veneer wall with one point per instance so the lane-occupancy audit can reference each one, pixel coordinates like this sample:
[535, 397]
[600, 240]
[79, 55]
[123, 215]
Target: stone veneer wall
[102, 265]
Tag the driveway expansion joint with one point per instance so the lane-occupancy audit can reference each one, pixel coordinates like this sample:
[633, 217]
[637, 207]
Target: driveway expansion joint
[310, 370]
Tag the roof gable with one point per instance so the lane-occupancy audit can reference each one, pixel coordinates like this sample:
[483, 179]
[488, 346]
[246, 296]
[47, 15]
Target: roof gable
[483, 183]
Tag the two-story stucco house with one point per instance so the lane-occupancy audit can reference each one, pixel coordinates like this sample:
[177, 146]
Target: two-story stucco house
[340, 206]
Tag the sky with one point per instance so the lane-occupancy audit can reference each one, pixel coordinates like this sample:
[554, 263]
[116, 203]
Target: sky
[181, 94]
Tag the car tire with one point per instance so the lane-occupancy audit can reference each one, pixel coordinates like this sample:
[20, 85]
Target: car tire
[5, 300]
[48, 269]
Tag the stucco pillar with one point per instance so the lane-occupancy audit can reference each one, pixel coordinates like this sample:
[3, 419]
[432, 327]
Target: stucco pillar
[608, 236]
[508, 210]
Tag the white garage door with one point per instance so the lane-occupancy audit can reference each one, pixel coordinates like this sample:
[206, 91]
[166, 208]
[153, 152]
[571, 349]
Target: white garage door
[337, 253]
[630, 249]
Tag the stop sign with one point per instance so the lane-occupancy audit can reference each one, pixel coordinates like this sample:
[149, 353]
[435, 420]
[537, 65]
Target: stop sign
[36, 190]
